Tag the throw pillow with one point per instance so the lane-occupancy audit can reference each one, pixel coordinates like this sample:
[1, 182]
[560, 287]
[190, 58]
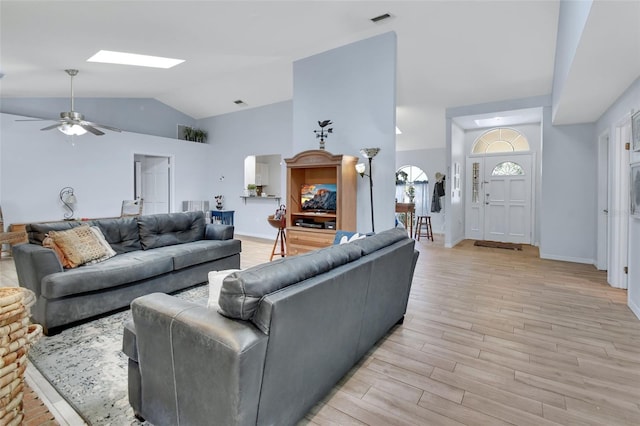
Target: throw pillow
[48, 243]
[103, 241]
[79, 245]
[343, 237]
[215, 284]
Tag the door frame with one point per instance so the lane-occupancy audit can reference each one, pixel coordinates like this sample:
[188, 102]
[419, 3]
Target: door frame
[533, 183]
[171, 161]
[603, 203]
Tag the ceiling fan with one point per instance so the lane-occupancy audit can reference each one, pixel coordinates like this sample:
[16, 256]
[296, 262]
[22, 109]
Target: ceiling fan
[72, 122]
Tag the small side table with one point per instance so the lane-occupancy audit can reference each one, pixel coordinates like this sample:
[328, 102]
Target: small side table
[225, 216]
[409, 210]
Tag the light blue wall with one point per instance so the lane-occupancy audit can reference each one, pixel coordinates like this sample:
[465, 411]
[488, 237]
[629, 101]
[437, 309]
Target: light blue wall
[572, 18]
[568, 210]
[355, 87]
[138, 115]
[431, 161]
[36, 165]
[258, 131]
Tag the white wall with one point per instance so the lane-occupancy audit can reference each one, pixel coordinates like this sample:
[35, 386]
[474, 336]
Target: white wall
[355, 87]
[36, 165]
[454, 205]
[431, 161]
[257, 131]
[572, 18]
[628, 103]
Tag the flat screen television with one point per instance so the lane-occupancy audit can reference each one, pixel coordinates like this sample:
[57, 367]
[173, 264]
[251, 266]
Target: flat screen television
[319, 197]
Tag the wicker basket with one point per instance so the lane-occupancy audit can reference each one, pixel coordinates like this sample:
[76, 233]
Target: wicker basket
[16, 337]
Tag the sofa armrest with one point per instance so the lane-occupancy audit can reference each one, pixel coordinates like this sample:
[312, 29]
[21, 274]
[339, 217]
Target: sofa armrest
[216, 231]
[33, 263]
[195, 364]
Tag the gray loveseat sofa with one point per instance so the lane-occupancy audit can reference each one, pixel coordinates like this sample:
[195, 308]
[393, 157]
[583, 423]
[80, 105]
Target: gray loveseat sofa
[155, 253]
[284, 335]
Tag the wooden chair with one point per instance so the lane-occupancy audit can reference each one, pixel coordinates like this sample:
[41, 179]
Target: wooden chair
[10, 237]
[131, 208]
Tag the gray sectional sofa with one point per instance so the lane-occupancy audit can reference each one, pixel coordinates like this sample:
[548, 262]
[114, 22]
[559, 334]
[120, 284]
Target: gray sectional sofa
[155, 253]
[284, 334]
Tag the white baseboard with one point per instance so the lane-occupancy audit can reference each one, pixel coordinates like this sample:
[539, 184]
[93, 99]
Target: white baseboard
[567, 258]
[634, 308]
[454, 243]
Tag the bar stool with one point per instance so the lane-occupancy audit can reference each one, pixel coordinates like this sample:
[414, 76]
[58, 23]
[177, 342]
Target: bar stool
[423, 221]
[281, 224]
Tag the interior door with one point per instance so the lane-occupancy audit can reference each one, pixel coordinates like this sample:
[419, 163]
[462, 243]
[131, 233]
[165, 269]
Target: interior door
[155, 184]
[507, 198]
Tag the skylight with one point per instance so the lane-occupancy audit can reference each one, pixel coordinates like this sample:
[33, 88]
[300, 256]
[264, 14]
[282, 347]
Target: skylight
[110, 57]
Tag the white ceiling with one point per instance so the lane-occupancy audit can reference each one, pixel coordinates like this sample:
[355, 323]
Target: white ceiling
[450, 53]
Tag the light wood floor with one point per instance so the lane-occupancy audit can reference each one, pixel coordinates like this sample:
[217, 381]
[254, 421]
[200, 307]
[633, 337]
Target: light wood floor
[492, 337]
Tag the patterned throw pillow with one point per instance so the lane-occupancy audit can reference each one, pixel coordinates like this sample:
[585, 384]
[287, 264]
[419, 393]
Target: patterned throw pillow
[103, 241]
[48, 243]
[79, 245]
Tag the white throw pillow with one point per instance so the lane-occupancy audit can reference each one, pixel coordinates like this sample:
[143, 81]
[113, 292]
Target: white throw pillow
[215, 284]
[354, 237]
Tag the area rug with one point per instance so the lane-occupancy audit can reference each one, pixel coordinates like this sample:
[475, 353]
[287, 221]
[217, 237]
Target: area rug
[497, 244]
[86, 365]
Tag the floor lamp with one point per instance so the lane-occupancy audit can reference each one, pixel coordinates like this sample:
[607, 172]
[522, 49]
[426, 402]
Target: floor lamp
[360, 168]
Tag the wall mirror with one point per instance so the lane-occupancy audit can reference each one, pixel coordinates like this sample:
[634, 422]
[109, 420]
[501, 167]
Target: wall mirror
[264, 172]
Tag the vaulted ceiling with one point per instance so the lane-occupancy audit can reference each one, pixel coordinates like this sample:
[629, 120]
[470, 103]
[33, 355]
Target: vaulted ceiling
[450, 53]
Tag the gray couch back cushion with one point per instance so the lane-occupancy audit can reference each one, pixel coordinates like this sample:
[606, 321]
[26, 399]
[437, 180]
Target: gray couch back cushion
[38, 231]
[242, 291]
[380, 240]
[120, 233]
[160, 230]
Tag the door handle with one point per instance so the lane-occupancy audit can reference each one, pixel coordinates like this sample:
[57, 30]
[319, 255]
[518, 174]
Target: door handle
[605, 211]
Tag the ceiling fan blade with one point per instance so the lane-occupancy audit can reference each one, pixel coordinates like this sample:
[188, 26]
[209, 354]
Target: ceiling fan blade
[102, 126]
[91, 129]
[53, 126]
[34, 119]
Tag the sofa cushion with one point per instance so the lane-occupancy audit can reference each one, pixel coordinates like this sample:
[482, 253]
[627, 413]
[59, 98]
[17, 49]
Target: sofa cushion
[38, 231]
[160, 230]
[380, 240]
[79, 245]
[242, 291]
[123, 269]
[120, 233]
[197, 252]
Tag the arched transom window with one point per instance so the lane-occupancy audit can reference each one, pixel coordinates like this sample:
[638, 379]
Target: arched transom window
[507, 168]
[500, 139]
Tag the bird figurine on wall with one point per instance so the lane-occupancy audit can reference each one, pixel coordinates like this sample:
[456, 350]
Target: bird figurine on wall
[322, 134]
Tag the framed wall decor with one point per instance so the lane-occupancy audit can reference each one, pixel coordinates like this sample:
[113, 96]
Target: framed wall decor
[635, 131]
[635, 190]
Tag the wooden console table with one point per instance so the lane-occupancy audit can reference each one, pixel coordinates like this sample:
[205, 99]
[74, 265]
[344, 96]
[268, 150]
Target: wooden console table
[409, 209]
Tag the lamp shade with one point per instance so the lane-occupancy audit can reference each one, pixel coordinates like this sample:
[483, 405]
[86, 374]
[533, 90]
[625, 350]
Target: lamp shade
[369, 152]
[360, 167]
[71, 199]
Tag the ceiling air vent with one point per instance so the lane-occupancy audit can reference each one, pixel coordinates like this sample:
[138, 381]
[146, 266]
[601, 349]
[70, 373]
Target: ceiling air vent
[381, 17]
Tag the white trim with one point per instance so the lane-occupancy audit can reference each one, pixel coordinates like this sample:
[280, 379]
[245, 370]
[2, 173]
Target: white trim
[634, 308]
[454, 243]
[567, 258]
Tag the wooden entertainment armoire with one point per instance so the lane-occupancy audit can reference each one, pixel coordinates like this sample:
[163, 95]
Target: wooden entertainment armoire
[319, 167]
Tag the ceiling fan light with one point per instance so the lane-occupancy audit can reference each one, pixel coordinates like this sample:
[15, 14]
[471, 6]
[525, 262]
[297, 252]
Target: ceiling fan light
[72, 129]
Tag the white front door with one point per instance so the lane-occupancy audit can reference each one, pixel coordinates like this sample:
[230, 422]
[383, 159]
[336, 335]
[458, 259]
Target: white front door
[155, 184]
[499, 198]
